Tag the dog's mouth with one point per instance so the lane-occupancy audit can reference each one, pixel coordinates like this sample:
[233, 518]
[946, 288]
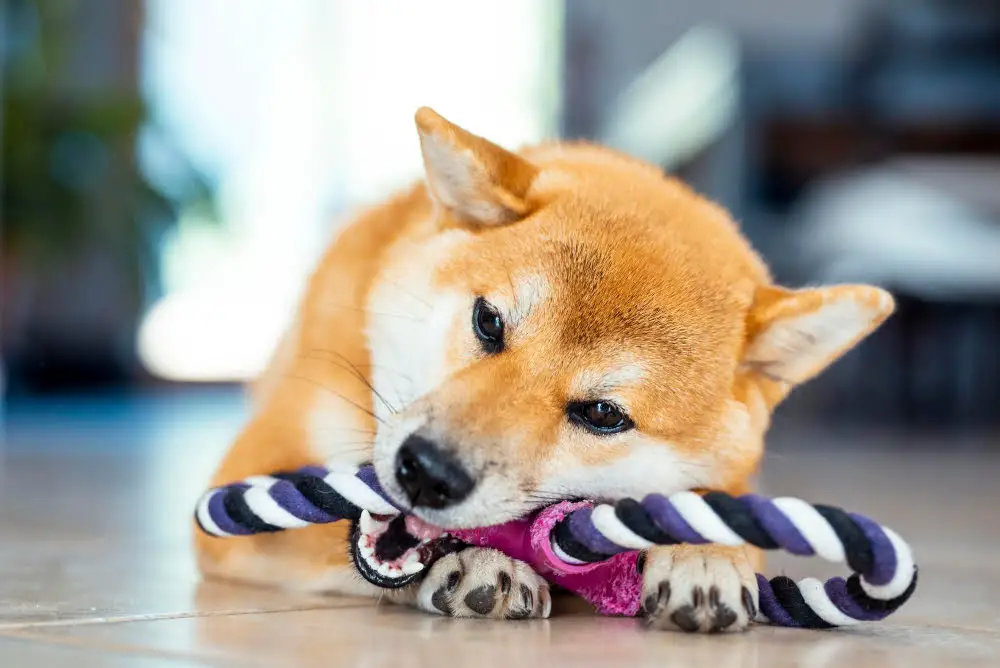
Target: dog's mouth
[394, 551]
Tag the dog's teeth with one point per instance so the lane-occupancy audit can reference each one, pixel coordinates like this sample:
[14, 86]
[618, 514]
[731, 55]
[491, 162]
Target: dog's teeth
[385, 570]
[411, 567]
[368, 523]
[365, 522]
[367, 551]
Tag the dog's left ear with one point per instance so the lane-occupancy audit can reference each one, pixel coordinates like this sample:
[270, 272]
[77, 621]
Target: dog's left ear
[478, 181]
[794, 335]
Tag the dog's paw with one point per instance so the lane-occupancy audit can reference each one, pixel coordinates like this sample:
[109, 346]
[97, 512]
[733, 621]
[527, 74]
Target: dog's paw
[707, 589]
[480, 582]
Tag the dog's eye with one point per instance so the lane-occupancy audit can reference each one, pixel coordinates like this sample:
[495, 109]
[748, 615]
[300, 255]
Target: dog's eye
[602, 417]
[488, 326]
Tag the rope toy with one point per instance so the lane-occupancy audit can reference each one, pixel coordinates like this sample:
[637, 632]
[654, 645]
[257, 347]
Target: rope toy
[592, 549]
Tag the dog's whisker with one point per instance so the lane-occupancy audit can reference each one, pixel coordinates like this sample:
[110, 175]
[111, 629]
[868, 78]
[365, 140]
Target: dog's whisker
[340, 396]
[356, 447]
[325, 430]
[360, 443]
[379, 367]
[361, 365]
[405, 291]
[357, 374]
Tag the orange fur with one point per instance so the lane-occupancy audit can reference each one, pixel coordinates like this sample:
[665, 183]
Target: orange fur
[616, 283]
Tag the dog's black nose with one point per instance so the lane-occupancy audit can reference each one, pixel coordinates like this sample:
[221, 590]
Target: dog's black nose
[430, 476]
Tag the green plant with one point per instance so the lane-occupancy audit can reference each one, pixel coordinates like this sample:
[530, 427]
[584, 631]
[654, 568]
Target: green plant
[70, 177]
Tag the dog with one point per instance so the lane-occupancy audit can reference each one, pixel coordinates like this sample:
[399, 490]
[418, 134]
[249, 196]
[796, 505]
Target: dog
[519, 328]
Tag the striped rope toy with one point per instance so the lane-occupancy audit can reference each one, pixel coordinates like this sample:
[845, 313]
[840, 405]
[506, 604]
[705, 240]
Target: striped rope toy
[884, 577]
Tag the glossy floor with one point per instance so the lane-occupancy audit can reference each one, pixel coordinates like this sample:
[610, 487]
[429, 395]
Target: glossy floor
[95, 567]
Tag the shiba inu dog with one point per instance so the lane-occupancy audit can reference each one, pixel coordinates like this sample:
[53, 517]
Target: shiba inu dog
[562, 322]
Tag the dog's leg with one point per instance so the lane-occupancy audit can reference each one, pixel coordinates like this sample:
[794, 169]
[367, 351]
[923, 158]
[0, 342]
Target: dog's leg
[700, 588]
[481, 582]
[314, 558]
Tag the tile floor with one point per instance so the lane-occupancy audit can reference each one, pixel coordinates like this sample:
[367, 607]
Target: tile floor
[95, 568]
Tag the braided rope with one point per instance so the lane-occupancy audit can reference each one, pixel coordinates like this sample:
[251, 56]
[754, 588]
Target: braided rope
[884, 577]
[311, 495]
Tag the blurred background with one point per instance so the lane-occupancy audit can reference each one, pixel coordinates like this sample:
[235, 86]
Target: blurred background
[171, 169]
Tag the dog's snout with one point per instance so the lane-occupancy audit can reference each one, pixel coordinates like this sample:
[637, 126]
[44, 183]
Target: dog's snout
[430, 476]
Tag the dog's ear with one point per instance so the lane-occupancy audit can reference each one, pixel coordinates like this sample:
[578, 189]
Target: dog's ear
[794, 335]
[478, 181]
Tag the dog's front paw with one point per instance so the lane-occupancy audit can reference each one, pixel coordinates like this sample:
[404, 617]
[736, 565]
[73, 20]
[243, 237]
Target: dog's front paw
[480, 582]
[707, 589]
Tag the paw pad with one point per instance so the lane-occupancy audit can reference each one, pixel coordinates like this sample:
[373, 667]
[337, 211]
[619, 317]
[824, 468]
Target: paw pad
[685, 618]
[481, 582]
[482, 599]
[688, 591]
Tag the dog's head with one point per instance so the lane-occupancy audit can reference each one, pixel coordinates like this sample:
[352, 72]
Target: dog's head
[579, 325]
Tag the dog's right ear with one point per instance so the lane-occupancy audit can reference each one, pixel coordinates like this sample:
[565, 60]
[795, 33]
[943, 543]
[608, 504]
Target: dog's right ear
[478, 181]
[795, 334]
